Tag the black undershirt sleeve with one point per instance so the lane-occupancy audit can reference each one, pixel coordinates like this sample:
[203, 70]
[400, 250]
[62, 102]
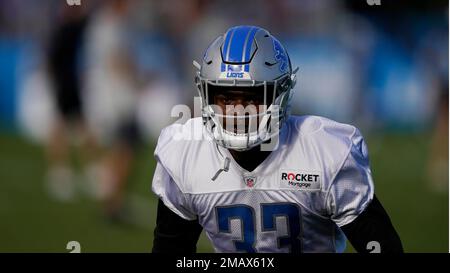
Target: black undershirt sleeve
[174, 234]
[373, 224]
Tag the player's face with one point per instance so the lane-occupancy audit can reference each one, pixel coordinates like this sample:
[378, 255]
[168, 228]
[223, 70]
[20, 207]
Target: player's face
[241, 103]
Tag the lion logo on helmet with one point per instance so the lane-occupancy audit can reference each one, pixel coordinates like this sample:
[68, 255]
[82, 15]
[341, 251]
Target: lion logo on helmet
[280, 55]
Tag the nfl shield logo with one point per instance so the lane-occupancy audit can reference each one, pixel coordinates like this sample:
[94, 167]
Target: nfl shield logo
[250, 181]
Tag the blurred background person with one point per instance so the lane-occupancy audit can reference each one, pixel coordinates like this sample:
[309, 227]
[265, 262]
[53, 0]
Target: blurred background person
[69, 126]
[437, 167]
[110, 91]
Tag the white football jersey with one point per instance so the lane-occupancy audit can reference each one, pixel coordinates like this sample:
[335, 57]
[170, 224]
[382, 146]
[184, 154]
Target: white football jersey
[317, 180]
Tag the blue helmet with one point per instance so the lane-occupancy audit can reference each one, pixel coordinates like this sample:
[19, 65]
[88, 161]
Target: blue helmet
[249, 57]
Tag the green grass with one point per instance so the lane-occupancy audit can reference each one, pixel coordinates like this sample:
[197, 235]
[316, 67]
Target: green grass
[32, 222]
[402, 185]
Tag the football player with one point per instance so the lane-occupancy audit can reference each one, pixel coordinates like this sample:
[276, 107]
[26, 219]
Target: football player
[257, 179]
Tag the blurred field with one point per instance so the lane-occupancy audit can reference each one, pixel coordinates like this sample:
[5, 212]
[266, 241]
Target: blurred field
[31, 222]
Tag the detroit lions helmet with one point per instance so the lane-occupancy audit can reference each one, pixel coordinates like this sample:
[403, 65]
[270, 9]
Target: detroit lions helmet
[246, 57]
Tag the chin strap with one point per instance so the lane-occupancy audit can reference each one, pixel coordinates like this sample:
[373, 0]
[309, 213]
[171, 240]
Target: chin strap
[226, 167]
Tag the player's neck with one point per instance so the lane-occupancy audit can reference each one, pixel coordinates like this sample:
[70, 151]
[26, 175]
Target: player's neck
[250, 159]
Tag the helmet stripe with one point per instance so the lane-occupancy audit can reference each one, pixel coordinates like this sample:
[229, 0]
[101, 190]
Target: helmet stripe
[245, 47]
[248, 48]
[237, 44]
[226, 48]
[230, 43]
